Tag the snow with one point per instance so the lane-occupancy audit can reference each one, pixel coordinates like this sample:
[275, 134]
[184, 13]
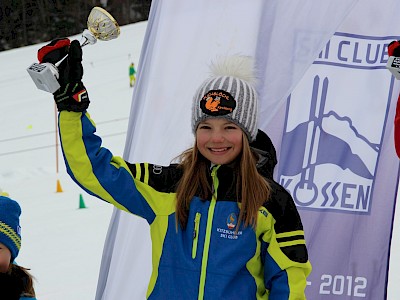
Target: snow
[62, 244]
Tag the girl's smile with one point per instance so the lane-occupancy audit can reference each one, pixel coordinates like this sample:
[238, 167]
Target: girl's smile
[219, 140]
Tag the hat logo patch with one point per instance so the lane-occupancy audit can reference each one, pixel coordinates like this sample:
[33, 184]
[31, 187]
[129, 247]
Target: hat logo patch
[217, 103]
[211, 104]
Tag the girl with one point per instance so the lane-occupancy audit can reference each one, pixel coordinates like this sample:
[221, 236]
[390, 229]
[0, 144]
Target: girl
[219, 229]
[15, 281]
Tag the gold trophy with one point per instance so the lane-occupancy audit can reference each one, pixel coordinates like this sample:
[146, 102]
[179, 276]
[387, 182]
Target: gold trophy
[101, 26]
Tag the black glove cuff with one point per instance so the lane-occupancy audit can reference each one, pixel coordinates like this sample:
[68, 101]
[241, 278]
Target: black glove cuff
[72, 97]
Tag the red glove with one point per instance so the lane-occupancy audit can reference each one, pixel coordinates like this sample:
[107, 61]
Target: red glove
[394, 48]
[53, 51]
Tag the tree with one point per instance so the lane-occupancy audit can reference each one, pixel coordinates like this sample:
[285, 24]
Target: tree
[27, 22]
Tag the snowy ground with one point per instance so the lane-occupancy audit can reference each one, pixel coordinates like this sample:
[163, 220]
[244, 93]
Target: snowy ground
[61, 243]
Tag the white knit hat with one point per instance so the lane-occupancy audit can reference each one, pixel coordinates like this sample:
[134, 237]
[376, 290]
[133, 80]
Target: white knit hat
[229, 93]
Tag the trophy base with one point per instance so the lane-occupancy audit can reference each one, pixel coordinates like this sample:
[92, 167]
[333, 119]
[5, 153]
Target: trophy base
[43, 76]
[393, 65]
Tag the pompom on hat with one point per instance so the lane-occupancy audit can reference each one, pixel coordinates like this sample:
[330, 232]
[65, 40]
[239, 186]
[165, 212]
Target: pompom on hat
[10, 230]
[229, 93]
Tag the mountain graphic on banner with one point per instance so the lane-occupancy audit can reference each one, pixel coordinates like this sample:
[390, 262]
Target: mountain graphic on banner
[330, 150]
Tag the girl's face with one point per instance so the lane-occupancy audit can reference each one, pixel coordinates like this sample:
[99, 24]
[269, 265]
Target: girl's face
[5, 258]
[219, 140]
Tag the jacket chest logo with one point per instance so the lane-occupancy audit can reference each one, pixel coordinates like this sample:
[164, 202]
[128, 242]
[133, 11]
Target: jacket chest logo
[229, 232]
[231, 221]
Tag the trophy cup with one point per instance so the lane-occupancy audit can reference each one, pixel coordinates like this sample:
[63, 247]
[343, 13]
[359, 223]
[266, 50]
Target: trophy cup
[101, 26]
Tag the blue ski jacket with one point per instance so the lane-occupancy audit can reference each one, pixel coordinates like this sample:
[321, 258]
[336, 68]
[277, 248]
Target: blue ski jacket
[210, 258]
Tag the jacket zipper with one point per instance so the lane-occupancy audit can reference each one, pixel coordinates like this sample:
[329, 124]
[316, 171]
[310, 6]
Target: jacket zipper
[207, 238]
[196, 234]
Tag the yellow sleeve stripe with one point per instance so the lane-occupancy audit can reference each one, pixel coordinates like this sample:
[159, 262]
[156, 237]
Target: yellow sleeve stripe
[138, 171]
[142, 172]
[289, 234]
[292, 243]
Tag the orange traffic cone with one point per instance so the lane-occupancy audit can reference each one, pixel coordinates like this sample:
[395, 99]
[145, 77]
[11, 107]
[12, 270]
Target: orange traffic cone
[59, 188]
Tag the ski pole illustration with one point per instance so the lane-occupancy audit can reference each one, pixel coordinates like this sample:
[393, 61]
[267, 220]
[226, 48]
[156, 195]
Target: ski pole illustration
[305, 190]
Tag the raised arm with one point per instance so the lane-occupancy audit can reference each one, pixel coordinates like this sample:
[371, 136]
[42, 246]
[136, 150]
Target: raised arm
[91, 166]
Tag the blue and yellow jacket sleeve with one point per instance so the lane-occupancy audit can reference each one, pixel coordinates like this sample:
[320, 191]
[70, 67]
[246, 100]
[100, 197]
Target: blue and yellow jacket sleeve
[284, 251]
[98, 172]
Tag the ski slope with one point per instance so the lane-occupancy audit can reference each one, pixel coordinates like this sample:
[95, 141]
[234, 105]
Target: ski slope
[61, 243]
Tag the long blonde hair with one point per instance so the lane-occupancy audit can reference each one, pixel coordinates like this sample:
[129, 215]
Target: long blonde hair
[252, 190]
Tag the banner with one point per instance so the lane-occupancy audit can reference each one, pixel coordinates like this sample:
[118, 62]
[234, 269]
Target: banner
[338, 162]
[182, 39]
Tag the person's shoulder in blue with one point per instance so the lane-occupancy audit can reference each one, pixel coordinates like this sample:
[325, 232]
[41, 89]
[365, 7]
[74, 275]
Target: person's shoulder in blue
[15, 281]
